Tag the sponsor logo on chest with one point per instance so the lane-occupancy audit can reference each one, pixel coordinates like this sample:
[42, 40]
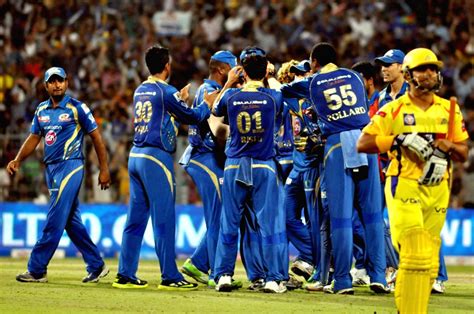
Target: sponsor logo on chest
[65, 117]
[50, 138]
[409, 119]
[44, 119]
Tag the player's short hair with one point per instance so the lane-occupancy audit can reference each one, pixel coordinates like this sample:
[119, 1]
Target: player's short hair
[254, 61]
[324, 53]
[366, 68]
[156, 58]
[215, 65]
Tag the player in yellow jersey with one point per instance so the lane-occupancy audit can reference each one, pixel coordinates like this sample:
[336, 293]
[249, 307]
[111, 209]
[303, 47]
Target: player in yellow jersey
[413, 129]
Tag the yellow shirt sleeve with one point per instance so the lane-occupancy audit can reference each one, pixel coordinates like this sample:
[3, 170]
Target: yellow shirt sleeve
[460, 132]
[380, 123]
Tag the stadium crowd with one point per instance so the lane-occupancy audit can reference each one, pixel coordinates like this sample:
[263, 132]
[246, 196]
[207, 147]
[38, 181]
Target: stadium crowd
[102, 43]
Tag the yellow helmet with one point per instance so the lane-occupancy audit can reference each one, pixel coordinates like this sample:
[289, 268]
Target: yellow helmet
[418, 57]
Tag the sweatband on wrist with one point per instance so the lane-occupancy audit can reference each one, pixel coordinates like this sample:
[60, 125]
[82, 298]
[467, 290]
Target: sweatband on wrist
[384, 142]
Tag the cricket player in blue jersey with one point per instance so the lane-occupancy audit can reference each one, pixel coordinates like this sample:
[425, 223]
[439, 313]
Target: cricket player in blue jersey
[352, 180]
[203, 161]
[62, 121]
[250, 173]
[158, 107]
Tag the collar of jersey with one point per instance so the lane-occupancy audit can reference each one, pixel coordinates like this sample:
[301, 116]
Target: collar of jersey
[328, 68]
[402, 91]
[213, 83]
[61, 104]
[252, 84]
[152, 79]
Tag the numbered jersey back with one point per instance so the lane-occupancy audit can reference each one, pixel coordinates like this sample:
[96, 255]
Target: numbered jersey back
[252, 116]
[339, 98]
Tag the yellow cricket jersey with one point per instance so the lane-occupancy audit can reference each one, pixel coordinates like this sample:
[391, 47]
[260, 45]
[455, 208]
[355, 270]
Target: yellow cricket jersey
[401, 116]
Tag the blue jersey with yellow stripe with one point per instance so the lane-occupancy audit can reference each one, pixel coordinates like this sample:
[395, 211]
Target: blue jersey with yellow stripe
[156, 106]
[337, 95]
[199, 135]
[63, 128]
[252, 112]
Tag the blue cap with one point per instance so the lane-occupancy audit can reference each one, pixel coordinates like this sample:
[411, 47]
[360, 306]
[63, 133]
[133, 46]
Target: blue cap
[391, 56]
[302, 67]
[225, 56]
[251, 51]
[54, 71]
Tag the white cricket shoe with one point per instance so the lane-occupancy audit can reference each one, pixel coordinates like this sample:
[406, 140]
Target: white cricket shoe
[359, 277]
[438, 287]
[274, 287]
[224, 284]
[302, 268]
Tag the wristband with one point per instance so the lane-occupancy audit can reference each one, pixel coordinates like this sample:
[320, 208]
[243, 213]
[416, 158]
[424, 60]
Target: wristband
[384, 142]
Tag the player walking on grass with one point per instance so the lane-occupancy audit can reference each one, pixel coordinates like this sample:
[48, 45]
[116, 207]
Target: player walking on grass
[351, 179]
[250, 173]
[152, 186]
[63, 121]
[422, 135]
[204, 160]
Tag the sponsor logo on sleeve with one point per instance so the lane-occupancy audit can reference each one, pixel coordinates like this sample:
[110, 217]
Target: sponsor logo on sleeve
[85, 108]
[50, 138]
[409, 119]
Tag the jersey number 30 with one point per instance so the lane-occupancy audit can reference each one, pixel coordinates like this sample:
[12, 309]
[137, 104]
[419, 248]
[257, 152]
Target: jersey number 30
[143, 111]
[336, 99]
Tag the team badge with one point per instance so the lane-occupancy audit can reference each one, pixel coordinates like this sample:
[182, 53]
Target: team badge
[44, 119]
[50, 138]
[409, 119]
[64, 117]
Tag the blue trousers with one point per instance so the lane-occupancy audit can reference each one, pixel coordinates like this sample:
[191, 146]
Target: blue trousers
[252, 184]
[346, 190]
[64, 180]
[207, 175]
[152, 192]
[251, 247]
[301, 192]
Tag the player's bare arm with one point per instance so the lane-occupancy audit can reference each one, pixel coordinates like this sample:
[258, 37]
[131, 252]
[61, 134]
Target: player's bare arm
[104, 175]
[457, 151]
[26, 149]
[232, 79]
[367, 144]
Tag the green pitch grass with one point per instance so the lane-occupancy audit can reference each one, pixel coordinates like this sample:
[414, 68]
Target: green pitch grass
[66, 294]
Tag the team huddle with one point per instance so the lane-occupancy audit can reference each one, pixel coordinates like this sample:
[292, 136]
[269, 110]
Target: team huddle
[310, 155]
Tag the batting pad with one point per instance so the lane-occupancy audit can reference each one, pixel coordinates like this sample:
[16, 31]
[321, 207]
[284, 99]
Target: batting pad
[435, 258]
[412, 288]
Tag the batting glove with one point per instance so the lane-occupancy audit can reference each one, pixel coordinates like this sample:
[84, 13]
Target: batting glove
[416, 143]
[434, 169]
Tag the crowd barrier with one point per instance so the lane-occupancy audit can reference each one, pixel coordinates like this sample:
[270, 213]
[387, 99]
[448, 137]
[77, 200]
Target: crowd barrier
[21, 225]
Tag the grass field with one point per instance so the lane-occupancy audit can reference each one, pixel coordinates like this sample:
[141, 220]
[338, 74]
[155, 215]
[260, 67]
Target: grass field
[66, 294]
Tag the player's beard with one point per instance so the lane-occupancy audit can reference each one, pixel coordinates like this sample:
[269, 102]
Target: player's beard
[57, 98]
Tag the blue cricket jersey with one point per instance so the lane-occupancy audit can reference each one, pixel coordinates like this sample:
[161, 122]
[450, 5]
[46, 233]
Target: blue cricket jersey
[337, 95]
[252, 112]
[63, 128]
[307, 135]
[384, 95]
[284, 135]
[157, 105]
[199, 135]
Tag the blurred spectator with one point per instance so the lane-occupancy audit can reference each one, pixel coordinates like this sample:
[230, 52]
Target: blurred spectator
[104, 41]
